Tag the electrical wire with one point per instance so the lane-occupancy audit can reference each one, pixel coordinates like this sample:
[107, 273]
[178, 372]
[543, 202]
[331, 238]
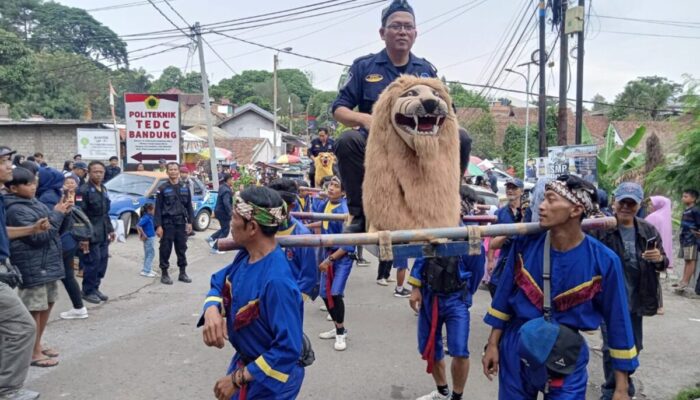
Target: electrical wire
[680, 24]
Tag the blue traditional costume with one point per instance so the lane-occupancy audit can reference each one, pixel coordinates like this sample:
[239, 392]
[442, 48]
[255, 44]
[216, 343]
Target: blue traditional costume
[451, 309]
[587, 287]
[333, 281]
[302, 260]
[266, 327]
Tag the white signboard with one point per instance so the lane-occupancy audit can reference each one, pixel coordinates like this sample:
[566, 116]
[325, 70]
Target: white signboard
[152, 127]
[96, 144]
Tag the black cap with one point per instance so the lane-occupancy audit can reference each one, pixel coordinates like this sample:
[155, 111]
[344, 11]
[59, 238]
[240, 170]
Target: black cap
[565, 352]
[80, 165]
[6, 151]
[396, 6]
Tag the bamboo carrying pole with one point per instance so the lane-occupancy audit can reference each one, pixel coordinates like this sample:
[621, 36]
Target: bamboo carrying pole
[313, 216]
[418, 235]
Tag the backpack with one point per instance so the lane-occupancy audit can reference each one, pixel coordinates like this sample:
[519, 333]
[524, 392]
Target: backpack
[441, 275]
[80, 226]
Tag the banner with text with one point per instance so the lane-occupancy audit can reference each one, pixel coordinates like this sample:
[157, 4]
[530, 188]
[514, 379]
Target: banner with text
[579, 160]
[152, 127]
[96, 144]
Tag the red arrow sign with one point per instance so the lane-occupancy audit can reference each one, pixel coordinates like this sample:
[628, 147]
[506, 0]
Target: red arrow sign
[140, 157]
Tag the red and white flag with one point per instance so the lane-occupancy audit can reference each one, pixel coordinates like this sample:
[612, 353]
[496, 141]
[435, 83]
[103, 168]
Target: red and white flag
[112, 93]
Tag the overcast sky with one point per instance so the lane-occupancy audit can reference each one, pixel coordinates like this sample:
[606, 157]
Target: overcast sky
[458, 36]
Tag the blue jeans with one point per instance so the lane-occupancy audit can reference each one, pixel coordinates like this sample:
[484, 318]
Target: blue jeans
[224, 230]
[149, 253]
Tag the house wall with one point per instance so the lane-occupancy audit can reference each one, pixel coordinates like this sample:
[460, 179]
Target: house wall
[247, 124]
[58, 143]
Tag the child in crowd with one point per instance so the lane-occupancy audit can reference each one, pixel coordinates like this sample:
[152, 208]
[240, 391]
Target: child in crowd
[336, 266]
[147, 234]
[38, 257]
[689, 237]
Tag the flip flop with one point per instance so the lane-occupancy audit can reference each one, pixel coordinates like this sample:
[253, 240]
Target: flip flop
[42, 363]
[51, 353]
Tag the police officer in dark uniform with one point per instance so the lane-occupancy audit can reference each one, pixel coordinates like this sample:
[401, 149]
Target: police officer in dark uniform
[112, 169]
[173, 219]
[94, 201]
[321, 144]
[367, 77]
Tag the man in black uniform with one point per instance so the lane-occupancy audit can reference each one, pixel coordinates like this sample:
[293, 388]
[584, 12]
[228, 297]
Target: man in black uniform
[112, 169]
[173, 220]
[93, 199]
[322, 144]
[367, 78]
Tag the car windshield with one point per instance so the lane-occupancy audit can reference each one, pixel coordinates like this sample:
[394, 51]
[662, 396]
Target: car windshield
[130, 184]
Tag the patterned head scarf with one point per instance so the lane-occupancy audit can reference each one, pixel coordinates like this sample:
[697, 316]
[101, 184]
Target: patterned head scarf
[577, 191]
[264, 216]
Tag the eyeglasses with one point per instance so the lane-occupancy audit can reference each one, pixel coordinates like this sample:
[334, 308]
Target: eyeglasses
[399, 27]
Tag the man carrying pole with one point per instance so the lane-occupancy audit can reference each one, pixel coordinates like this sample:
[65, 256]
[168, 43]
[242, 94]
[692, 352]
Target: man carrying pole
[554, 285]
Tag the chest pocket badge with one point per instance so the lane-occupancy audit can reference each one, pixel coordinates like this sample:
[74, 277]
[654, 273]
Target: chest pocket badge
[374, 78]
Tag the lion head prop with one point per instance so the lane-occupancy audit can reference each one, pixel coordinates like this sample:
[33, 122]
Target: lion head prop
[412, 158]
[324, 164]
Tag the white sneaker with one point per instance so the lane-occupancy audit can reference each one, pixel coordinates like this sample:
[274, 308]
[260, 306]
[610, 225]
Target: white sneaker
[329, 318]
[340, 343]
[76, 313]
[323, 308]
[149, 274]
[434, 395]
[327, 335]
[382, 282]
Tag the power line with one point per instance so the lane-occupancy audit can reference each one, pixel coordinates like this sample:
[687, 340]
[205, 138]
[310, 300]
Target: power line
[568, 99]
[281, 50]
[651, 35]
[119, 6]
[498, 66]
[168, 18]
[681, 24]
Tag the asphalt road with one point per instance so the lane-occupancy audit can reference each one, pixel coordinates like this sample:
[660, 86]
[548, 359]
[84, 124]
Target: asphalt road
[143, 343]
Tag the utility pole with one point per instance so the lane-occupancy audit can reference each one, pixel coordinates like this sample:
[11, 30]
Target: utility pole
[291, 116]
[527, 111]
[542, 101]
[274, 104]
[563, 75]
[579, 76]
[207, 108]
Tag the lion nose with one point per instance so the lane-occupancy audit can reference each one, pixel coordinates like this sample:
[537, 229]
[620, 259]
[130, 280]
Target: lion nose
[429, 105]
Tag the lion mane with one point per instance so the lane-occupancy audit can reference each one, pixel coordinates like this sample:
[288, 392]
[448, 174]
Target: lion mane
[405, 187]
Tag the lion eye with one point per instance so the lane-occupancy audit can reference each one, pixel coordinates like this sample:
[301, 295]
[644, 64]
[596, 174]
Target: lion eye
[410, 93]
[436, 94]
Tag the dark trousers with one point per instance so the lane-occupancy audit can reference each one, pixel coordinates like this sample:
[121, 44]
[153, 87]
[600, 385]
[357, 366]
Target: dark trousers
[173, 235]
[384, 270]
[94, 266]
[224, 230]
[608, 388]
[350, 151]
[69, 281]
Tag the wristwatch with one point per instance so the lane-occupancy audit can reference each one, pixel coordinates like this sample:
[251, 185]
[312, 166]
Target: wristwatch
[331, 259]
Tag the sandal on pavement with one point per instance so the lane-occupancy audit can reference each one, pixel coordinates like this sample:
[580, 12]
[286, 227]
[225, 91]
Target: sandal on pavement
[44, 363]
[51, 353]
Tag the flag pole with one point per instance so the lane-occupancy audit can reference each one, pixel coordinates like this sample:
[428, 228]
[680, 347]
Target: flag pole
[112, 93]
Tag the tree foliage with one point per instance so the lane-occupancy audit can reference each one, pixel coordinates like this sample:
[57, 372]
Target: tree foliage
[598, 98]
[483, 133]
[173, 78]
[319, 106]
[462, 97]
[645, 98]
[514, 147]
[15, 67]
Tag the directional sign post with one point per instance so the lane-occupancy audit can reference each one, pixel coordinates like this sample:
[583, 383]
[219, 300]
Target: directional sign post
[152, 127]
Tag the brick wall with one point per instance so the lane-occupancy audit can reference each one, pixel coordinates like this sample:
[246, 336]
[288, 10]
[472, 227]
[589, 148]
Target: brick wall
[58, 143]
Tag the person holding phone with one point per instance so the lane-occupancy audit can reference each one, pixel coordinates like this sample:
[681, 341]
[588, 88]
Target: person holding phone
[640, 248]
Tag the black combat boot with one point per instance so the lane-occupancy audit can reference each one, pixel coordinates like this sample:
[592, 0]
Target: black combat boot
[165, 278]
[183, 276]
